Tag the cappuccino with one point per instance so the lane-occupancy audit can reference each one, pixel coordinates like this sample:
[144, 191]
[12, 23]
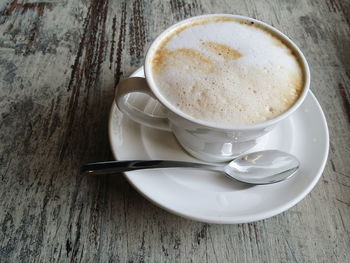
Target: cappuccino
[226, 71]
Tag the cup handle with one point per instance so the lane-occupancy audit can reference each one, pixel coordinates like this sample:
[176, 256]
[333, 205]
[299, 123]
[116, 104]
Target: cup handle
[138, 84]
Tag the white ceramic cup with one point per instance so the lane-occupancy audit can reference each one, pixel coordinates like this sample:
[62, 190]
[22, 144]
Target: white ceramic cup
[208, 142]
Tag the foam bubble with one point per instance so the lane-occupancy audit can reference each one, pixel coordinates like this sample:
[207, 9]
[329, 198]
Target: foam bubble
[227, 73]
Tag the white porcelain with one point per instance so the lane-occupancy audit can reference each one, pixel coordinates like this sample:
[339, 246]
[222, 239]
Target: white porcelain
[209, 197]
[202, 140]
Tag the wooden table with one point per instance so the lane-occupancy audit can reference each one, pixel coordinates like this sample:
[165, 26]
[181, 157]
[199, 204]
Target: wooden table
[60, 61]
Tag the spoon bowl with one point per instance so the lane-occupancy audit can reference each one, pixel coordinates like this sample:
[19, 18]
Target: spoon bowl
[264, 167]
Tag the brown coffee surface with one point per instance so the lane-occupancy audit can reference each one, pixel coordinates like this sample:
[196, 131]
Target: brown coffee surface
[227, 72]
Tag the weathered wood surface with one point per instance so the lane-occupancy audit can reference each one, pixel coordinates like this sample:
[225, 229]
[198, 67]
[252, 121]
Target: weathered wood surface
[59, 64]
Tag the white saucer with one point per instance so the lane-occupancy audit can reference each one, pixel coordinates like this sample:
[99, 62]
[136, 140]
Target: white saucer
[209, 197]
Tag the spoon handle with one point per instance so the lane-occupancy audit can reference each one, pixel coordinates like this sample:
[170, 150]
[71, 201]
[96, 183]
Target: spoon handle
[125, 166]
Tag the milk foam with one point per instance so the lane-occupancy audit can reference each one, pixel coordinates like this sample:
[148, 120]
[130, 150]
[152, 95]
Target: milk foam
[227, 72]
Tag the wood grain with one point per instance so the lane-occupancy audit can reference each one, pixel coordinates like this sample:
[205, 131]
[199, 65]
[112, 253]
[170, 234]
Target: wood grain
[60, 62]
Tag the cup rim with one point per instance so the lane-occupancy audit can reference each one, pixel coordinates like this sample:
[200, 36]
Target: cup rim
[169, 106]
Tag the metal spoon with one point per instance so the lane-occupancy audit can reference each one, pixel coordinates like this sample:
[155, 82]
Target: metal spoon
[265, 167]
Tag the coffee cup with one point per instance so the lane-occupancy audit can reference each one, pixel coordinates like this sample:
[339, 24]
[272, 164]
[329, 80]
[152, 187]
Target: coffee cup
[223, 81]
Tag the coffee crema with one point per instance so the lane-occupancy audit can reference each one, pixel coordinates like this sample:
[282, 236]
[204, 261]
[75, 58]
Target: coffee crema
[226, 72]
